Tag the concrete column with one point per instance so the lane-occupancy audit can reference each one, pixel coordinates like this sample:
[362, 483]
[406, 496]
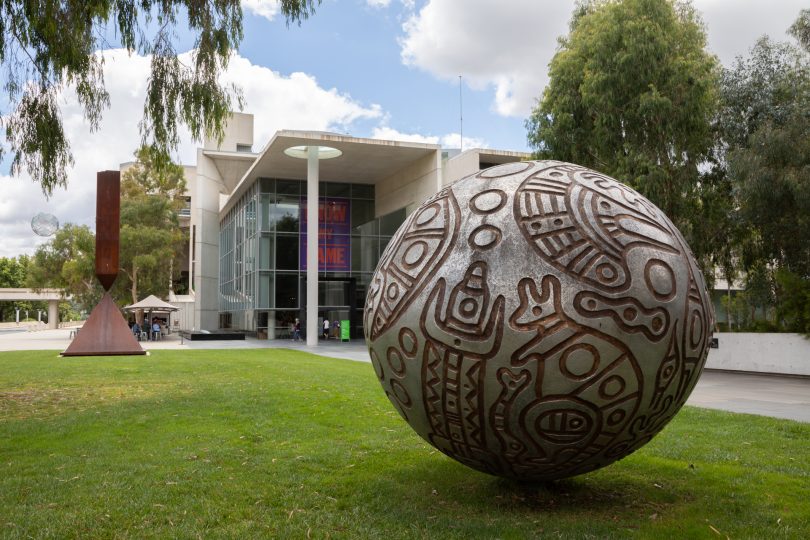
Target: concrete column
[53, 314]
[205, 209]
[271, 325]
[312, 246]
[18, 316]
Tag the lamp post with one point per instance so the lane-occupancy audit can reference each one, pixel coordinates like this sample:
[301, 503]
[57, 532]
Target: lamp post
[313, 154]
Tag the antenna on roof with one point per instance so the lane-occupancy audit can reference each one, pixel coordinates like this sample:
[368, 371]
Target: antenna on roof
[460, 118]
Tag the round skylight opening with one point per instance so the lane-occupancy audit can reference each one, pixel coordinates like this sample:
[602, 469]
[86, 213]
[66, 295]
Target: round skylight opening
[302, 152]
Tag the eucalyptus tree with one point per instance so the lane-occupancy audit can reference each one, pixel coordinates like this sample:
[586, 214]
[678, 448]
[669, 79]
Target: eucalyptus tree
[152, 194]
[48, 45]
[67, 261]
[13, 271]
[766, 149]
[633, 93]
[153, 191]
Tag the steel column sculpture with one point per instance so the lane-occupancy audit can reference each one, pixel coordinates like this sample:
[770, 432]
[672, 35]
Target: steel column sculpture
[106, 332]
[537, 320]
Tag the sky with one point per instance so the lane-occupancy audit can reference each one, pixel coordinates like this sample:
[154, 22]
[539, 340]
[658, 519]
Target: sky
[370, 68]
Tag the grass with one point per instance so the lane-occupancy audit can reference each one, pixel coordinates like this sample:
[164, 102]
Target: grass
[258, 443]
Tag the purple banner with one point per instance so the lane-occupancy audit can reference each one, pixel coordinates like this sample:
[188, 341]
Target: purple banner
[334, 247]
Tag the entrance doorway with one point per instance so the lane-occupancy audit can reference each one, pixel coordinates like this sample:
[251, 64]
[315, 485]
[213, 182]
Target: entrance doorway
[336, 302]
[334, 315]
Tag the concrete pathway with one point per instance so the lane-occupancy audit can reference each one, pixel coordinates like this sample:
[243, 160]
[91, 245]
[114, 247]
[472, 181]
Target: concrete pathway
[23, 340]
[766, 395]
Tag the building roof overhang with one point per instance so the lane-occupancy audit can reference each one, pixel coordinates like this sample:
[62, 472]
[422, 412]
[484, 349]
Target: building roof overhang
[363, 161]
[499, 157]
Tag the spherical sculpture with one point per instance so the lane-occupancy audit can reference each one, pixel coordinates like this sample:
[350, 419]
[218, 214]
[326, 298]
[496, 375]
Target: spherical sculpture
[44, 224]
[537, 320]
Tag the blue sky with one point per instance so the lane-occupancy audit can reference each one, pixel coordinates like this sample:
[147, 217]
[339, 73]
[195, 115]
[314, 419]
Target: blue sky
[355, 48]
[369, 68]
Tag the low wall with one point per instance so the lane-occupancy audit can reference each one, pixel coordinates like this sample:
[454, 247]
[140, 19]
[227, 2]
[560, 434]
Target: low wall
[184, 318]
[787, 354]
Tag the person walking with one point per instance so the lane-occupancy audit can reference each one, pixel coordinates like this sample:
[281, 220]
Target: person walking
[325, 328]
[297, 330]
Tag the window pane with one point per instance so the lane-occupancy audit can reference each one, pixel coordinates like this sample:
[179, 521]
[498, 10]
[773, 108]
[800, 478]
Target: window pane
[287, 252]
[389, 223]
[362, 191]
[264, 212]
[265, 299]
[361, 289]
[333, 293]
[363, 217]
[364, 253]
[285, 213]
[288, 187]
[267, 253]
[286, 290]
[267, 185]
[338, 189]
[384, 240]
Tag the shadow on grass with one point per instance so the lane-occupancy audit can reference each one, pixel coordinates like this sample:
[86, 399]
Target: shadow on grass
[622, 487]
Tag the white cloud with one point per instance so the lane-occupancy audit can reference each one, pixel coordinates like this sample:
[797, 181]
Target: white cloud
[450, 140]
[407, 4]
[733, 26]
[507, 46]
[262, 8]
[277, 101]
[293, 102]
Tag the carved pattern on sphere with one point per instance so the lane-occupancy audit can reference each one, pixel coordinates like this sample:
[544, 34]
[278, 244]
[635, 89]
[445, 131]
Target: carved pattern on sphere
[537, 320]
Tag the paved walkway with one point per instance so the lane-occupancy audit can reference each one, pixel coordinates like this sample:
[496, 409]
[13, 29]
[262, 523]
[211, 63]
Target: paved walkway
[22, 340]
[767, 395]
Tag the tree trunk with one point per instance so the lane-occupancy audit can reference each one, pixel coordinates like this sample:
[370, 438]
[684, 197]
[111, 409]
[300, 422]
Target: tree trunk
[134, 289]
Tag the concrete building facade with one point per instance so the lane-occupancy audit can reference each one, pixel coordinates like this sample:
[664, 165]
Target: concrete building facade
[249, 223]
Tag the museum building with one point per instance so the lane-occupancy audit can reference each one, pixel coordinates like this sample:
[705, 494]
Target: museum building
[249, 223]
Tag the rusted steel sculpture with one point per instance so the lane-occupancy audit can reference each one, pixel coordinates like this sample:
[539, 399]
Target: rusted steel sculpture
[106, 332]
[538, 320]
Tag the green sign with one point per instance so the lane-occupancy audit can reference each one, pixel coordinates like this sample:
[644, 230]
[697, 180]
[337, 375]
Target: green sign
[344, 330]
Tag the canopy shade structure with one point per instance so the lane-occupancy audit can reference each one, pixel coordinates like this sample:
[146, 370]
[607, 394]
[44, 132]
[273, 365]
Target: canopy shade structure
[152, 303]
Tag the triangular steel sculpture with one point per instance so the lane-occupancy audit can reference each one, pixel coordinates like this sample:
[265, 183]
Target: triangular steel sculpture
[106, 333]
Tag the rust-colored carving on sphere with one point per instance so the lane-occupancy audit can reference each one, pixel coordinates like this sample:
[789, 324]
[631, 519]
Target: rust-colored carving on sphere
[537, 320]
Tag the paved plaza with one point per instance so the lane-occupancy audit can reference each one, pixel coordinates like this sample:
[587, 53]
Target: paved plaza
[767, 395]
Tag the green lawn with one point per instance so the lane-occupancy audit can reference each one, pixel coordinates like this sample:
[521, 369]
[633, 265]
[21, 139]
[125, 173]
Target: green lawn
[273, 443]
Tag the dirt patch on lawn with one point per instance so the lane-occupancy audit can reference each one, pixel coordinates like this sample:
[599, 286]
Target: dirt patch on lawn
[43, 402]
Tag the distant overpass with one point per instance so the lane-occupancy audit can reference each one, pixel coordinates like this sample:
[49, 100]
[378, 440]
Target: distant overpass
[52, 296]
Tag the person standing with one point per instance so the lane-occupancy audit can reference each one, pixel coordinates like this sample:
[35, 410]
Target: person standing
[297, 330]
[325, 328]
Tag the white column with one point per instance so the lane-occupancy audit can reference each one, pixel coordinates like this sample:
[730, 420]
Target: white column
[271, 325]
[53, 314]
[312, 246]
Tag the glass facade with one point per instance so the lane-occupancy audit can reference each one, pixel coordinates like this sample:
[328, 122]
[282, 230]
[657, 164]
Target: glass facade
[263, 254]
